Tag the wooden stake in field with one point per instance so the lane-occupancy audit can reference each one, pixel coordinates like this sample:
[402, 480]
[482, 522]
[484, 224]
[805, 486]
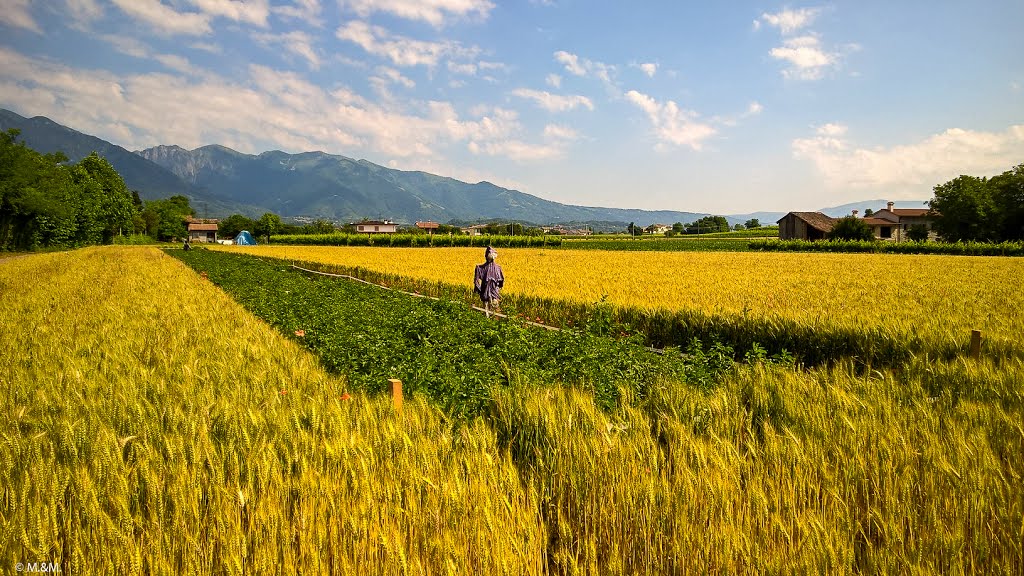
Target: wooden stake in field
[975, 344]
[396, 392]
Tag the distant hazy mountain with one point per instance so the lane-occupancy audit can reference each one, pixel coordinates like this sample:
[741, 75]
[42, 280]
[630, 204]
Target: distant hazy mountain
[339, 188]
[151, 180]
[221, 181]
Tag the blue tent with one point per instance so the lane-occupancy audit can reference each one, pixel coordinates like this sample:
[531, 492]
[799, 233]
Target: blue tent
[245, 239]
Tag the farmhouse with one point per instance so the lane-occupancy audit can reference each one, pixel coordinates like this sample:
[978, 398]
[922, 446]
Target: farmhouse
[657, 228]
[376, 227]
[430, 227]
[893, 223]
[805, 226]
[202, 230]
[887, 224]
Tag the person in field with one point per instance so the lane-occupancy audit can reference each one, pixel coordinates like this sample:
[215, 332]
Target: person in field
[488, 280]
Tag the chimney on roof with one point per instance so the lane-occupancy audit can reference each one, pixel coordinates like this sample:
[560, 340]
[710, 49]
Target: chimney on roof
[855, 212]
[889, 206]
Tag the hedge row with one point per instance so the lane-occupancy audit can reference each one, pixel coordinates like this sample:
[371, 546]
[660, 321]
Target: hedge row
[878, 246]
[417, 240]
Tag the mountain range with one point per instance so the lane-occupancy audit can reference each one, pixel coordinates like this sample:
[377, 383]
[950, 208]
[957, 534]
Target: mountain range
[221, 181]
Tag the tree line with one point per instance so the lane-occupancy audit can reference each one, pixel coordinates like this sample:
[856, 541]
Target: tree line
[47, 202]
[981, 209]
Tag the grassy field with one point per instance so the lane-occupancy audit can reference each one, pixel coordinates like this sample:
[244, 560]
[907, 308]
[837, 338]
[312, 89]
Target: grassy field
[934, 301]
[152, 425]
[161, 449]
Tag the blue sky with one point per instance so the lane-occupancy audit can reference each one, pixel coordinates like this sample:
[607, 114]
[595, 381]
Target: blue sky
[723, 107]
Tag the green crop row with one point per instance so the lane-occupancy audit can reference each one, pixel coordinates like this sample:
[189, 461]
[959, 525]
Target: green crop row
[416, 240]
[744, 334]
[440, 348]
[878, 246]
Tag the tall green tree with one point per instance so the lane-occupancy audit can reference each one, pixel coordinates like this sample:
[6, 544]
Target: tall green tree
[1007, 190]
[850, 228]
[232, 225]
[752, 223]
[268, 225]
[708, 224]
[966, 210]
[37, 198]
[116, 209]
[168, 217]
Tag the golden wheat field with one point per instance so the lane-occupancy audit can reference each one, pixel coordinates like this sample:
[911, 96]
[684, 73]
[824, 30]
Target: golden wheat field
[944, 297]
[150, 425]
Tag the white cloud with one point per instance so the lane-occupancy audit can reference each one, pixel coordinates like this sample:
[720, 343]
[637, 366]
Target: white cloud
[126, 45]
[84, 11]
[649, 68]
[206, 47]
[806, 59]
[175, 62]
[831, 129]
[267, 109]
[909, 170]
[250, 11]
[558, 132]
[15, 13]
[466, 68]
[395, 77]
[305, 10]
[554, 102]
[432, 11]
[583, 67]
[672, 125]
[554, 80]
[297, 42]
[754, 108]
[789, 21]
[402, 51]
[165, 20]
[571, 63]
[486, 65]
[517, 150]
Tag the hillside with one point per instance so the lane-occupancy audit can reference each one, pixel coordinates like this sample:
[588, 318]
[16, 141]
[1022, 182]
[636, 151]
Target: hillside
[151, 180]
[341, 188]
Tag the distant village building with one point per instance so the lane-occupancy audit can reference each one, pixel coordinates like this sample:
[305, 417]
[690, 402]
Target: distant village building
[376, 227]
[658, 228]
[559, 229]
[202, 230]
[474, 230]
[888, 223]
[430, 227]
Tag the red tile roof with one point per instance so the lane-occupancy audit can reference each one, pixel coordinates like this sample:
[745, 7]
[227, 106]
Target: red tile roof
[199, 227]
[877, 221]
[426, 225]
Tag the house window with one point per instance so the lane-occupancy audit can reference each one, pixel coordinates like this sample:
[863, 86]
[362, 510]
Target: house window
[886, 232]
[360, 228]
[376, 228]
